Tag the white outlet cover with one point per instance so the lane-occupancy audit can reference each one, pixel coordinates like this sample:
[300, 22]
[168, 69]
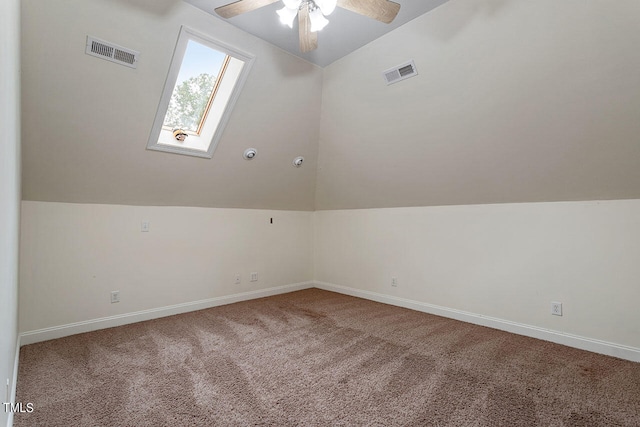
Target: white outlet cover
[115, 297]
[556, 308]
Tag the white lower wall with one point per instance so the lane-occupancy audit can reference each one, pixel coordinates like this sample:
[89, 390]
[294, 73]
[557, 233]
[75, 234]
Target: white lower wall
[9, 198]
[498, 265]
[506, 262]
[74, 255]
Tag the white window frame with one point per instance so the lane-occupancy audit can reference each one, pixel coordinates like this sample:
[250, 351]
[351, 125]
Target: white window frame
[228, 92]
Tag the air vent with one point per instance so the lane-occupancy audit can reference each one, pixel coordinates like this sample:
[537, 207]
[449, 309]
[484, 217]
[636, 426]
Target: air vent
[401, 72]
[111, 52]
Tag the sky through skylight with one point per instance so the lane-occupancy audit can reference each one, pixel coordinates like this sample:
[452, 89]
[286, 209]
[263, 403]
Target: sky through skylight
[199, 59]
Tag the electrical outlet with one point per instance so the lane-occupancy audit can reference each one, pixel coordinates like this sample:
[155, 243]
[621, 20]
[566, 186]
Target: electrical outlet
[115, 296]
[237, 281]
[556, 308]
[254, 277]
[144, 226]
[394, 282]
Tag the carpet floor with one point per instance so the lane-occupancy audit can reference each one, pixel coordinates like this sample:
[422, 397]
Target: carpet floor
[318, 358]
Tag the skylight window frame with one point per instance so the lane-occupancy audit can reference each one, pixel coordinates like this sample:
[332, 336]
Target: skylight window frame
[216, 86]
[238, 63]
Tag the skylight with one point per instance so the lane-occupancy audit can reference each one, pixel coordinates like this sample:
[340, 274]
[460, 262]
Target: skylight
[203, 83]
[202, 68]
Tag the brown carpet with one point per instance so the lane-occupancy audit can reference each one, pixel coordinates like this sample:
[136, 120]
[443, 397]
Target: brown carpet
[317, 358]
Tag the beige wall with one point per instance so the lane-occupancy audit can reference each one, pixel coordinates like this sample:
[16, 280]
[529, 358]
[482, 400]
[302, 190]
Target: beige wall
[515, 101]
[9, 192]
[506, 261]
[74, 255]
[88, 120]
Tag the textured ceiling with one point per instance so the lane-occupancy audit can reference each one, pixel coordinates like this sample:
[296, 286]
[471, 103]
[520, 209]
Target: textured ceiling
[346, 32]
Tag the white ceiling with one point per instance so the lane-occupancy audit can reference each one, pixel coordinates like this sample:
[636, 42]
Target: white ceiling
[346, 32]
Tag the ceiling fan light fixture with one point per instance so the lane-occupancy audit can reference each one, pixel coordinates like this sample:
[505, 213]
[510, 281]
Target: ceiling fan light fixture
[327, 6]
[311, 14]
[318, 21]
[287, 16]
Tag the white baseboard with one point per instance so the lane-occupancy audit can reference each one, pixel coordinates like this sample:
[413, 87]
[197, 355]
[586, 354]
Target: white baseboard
[576, 341]
[60, 331]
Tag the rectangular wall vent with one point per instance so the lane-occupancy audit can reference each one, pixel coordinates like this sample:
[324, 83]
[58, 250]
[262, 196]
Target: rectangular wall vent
[112, 52]
[401, 72]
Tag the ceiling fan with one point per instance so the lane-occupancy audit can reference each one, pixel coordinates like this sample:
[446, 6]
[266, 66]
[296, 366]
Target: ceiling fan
[311, 14]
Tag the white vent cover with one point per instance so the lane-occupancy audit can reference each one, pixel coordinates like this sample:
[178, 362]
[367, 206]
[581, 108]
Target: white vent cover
[401, 72]
[111, 52]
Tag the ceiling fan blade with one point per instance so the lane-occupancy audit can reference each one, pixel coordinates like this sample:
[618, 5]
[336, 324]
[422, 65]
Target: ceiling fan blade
[380, 10]
[241, 6]
[308, 40]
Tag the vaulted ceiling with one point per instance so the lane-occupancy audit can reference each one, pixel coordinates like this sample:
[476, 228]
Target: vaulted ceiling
[346, 32]
[515, 101]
